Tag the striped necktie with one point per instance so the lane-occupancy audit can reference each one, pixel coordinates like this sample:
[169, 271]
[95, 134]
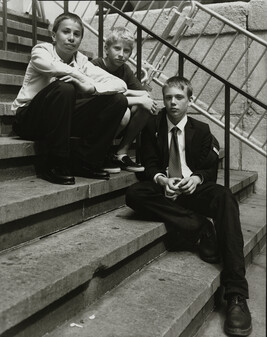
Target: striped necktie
[175, 170]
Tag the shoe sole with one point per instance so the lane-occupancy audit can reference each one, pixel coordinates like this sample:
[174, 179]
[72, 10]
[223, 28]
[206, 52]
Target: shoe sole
[131, 169]
[110, 170]
[238, 331]
[66, 182]
[212, 260]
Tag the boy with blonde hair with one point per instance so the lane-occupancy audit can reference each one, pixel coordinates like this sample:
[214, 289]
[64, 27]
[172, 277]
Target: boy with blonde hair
[118, 47]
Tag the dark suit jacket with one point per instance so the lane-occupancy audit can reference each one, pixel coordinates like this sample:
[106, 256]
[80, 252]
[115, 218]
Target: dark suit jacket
[199, 147]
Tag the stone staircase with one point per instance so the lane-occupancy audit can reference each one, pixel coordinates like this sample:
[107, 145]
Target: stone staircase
[77, 254]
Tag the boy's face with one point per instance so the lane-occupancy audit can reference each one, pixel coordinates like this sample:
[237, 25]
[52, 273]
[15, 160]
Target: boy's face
[67, 38]
[176, 103]
[118, 53]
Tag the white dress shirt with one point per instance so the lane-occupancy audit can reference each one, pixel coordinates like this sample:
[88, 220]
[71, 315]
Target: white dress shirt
[186, 172]
[46, 66]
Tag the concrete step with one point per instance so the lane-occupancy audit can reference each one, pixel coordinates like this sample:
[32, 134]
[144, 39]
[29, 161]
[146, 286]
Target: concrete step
[24, 17]
[169, 297]
[72, 263]
[31, 207]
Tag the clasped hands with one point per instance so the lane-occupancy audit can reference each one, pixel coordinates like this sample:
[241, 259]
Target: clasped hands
[176, 186]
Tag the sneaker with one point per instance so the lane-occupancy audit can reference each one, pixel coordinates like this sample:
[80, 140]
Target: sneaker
[111, 167]
[238, 317]
[127, 164]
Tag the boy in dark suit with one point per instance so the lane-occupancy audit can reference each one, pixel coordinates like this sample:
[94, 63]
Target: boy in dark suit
[180, 157]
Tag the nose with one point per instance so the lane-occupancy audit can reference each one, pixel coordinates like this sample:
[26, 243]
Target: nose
[71, 37]
[173, 102]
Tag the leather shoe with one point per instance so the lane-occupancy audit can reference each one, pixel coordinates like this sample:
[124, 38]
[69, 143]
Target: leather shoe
[58, 175]
[238, 317]
[87, 172]
[208, 245]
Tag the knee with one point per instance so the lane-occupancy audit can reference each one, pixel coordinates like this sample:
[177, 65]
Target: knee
[125, 119]
[65, 89]
[225, 194]
[120, 101]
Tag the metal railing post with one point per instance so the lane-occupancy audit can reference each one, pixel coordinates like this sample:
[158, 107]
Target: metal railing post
[66, 7]
[100, 28]
[181, 66]
[5, 24]
[227, 137]
[34, 23]
[139, 76]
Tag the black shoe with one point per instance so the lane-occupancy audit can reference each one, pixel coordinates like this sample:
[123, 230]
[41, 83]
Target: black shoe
[238, 317]
[111, 167]
[126, 163]
[58, 175]
[87, 172]
[208, 246]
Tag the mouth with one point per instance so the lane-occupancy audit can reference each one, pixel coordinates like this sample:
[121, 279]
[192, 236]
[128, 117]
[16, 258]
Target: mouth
[70, 45]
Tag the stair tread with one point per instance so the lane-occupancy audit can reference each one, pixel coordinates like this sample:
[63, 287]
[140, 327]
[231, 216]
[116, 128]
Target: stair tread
[14, 57]
[66, 260]
[27, 196]
[11, 79]
[163, 297]
[14, 147]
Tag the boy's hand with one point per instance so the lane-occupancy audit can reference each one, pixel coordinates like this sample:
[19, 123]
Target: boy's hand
[170, 185]
[81, 81]
[188, 185]
[148, 104]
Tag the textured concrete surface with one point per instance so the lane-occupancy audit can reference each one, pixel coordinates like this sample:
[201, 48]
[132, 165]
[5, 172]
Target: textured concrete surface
[256, 276]
[36, 275]
[32, 195]
[160, 300]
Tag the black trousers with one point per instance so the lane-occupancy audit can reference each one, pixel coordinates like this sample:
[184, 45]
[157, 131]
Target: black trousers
[56, 113]
[211, 200]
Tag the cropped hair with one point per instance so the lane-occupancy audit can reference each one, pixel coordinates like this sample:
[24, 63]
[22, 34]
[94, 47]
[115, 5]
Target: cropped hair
[66, 16]
[120, 33]
[179, 82]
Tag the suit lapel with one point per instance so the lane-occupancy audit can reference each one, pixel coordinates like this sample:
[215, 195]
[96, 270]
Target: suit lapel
[189, 133]
[162, 138]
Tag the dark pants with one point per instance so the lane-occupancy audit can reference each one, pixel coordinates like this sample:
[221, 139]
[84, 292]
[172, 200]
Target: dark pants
[211, 200]
[55, 114]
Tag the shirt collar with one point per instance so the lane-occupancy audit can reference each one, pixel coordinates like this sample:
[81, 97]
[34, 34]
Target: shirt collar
[73, 62]
[180, 125]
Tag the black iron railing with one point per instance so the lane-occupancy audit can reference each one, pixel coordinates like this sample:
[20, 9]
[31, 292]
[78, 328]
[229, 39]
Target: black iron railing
[182, 56]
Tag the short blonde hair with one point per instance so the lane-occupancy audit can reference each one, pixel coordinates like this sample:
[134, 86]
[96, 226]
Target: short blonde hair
[120, 33]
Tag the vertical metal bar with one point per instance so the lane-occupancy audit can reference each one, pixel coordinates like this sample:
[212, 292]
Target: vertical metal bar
[181, 65]
[139, 53]
[139, 76]
[227, 137]
[5, 24]
[66, 7]
[34, 23]
[100, 29]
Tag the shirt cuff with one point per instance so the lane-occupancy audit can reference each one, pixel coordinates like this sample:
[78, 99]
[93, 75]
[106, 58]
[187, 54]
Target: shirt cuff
[200, 176]
[157, 175]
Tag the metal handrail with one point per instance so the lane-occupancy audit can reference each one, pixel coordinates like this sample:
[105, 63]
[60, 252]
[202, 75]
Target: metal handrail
[227, 84]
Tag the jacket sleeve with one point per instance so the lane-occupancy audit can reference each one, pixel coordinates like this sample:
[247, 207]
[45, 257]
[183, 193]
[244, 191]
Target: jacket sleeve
[150, 156]
[207, 163]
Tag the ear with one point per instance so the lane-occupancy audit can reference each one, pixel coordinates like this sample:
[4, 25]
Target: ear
[191, 100]
[106, 49]
[53, 36]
